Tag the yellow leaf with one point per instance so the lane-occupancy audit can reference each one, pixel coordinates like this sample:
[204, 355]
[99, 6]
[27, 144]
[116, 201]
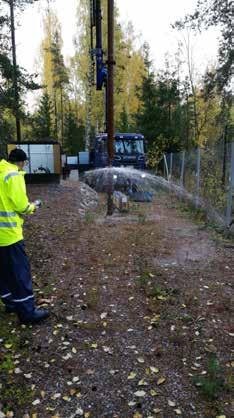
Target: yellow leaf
[142, 382]
[55, 396]
[7, 345]
[161, 380]
[94, 345]
[153, 392]
[132, 375]
[42, 394]
[178, 411]
[66, 398]
[154, 369]
[140, 360]
[160, 297]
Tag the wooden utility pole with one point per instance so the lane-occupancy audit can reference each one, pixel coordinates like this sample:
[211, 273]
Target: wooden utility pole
[110, 100]
[15, 82]
[110, 82]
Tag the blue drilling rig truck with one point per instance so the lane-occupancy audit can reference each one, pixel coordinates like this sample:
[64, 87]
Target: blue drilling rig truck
[129, 150]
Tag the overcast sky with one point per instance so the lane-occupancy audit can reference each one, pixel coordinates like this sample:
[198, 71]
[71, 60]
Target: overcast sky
[151, 18]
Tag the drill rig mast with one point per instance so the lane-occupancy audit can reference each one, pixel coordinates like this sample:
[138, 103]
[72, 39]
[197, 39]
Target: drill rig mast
[105, 75]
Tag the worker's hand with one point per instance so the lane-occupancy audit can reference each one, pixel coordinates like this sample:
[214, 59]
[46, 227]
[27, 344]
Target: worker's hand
[37, 203]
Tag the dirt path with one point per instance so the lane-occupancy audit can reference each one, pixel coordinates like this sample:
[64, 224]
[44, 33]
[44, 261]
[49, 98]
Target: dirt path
[141, 323]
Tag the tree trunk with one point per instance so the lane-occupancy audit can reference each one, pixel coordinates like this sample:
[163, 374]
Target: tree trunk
[15, 81]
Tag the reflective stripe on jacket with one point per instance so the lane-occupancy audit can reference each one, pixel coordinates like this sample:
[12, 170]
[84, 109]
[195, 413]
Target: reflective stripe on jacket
[13, 203]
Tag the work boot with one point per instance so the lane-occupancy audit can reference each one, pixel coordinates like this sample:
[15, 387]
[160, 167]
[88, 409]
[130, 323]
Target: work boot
[10, 308]
[37, 315]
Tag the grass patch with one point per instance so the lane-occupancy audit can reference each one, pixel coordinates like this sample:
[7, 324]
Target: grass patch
[157, 292]
[92, 297]
[213, 383]
[89, 217]
[7, 364]
[143, 279]
[142, 218]
[14, 396]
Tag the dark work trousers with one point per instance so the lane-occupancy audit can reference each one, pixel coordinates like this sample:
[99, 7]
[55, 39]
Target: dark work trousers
[15, 279]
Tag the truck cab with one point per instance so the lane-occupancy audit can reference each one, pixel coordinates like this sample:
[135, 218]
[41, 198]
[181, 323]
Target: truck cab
[129, 150]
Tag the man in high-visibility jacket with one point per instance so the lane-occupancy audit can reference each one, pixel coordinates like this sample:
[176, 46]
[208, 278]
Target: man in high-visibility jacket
[15, 277]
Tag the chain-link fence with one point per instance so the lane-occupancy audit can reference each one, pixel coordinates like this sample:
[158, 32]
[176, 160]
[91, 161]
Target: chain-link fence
[206, 175]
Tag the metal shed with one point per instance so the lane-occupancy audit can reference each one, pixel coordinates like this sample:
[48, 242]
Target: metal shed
[44, 160]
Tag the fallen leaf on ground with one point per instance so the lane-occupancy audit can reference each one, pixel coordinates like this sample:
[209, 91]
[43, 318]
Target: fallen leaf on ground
[140, 393]
[94, 345]
[36, 402]
[142, 382]
[131, 403]
[153, 392]
[56, 396]
[132, 375]
[161, 380]
[154, 369]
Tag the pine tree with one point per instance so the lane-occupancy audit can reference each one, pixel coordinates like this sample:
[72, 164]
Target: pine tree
[60, 77]
[43, 120]
[73, 133]
[123, 124]
[146, 117]
[160, 114]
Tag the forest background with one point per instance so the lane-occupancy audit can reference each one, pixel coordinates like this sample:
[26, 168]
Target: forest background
[173, 108]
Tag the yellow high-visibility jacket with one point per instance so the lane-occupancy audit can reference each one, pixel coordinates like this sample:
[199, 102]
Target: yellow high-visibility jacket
[13, 203]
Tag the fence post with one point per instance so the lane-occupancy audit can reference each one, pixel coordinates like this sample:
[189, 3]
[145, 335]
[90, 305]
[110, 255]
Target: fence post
[166, 166]
[171, 164]
[198, 166]
[29, 160]
[182, 170]
[230, 190]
